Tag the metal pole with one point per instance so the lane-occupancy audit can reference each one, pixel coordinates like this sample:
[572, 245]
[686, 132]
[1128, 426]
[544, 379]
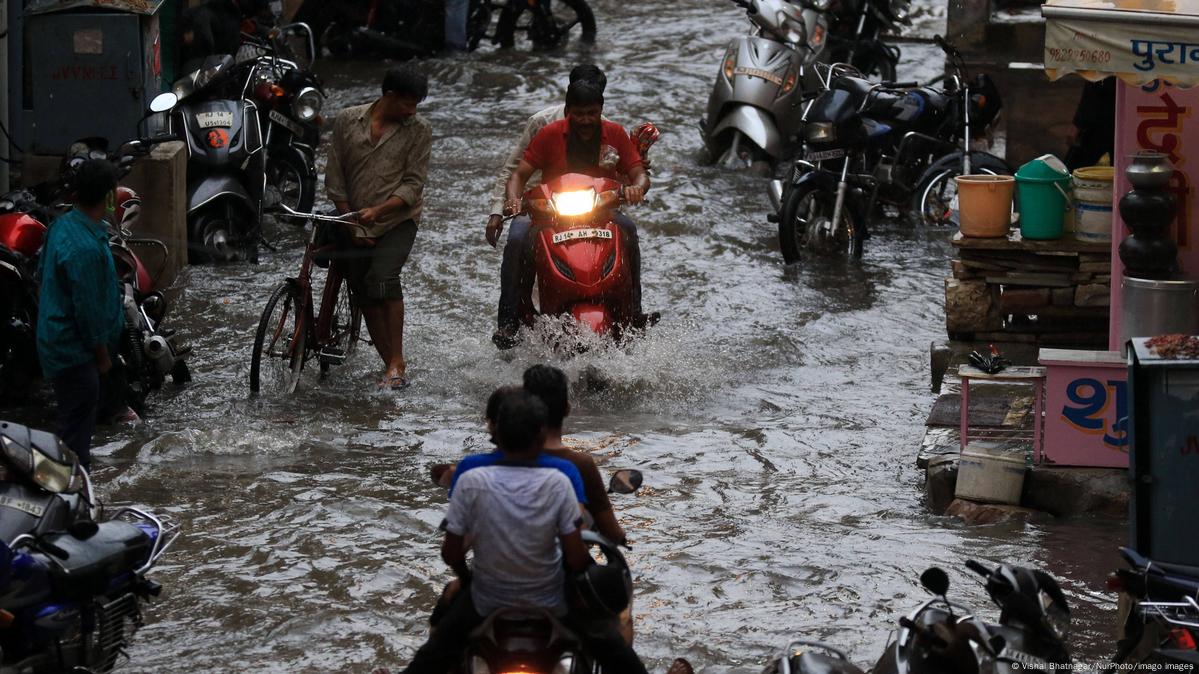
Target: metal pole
[7, 151]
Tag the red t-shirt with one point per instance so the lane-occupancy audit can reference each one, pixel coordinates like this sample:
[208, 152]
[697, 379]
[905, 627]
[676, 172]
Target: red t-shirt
[617, 156]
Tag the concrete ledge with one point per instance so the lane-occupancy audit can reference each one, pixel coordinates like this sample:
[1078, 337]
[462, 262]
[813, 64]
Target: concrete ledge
[161, 180]
[1068, 491]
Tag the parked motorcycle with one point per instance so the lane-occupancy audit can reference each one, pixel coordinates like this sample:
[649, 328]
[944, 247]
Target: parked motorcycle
[21, 236]
[1161, 624]
[42, 486]
[548, 26]
[754, 110]
[870, 143]
[226, 168]
[855, 35]
[73, 598]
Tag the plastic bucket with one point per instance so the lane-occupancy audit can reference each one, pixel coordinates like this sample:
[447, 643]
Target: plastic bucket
[1043, 206]
[985, 205]
[1093, 203]
[990, 475]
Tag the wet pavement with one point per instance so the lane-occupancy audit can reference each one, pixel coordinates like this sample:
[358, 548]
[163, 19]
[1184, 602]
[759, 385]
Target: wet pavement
[776, 412]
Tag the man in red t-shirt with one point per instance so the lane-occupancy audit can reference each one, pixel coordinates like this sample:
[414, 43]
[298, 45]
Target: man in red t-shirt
[583, 142]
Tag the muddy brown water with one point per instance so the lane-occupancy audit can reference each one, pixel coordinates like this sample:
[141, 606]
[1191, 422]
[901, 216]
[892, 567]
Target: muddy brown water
[775, 412]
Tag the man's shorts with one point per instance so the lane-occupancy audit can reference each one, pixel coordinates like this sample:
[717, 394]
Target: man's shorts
[373, 273]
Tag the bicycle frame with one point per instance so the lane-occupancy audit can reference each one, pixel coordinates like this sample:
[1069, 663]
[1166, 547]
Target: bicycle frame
[318, 323]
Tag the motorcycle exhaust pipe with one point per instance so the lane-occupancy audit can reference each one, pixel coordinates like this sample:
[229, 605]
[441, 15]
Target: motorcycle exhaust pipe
[159, 351]
[775, 192]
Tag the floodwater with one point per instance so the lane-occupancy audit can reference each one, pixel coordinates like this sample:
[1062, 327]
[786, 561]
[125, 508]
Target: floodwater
[775, 412]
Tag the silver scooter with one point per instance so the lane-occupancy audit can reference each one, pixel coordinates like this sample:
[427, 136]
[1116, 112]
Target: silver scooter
[755, 109]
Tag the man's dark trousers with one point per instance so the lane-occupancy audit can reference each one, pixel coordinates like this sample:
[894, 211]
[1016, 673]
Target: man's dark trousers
[77, 393]
[448, 641]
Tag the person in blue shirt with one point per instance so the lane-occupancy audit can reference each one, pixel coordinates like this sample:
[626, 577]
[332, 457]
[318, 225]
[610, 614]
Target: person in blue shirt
[80, 317]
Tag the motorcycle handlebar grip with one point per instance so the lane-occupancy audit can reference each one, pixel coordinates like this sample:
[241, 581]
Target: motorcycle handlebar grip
[978, 568]
[901, 85]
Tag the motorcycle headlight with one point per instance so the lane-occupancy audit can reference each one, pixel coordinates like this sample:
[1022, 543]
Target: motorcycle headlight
[50, 475]
[307, 104]
[571, 204]
[820, 132]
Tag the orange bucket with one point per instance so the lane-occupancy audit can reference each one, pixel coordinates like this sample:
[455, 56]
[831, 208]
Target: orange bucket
[985, 205]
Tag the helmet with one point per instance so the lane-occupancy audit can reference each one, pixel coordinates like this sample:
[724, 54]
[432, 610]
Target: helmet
[603, 590]
[128, 209]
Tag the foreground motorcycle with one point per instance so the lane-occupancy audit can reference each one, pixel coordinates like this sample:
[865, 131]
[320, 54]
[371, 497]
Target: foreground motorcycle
[42, 486]
[754, 110]
[1162, 622]
[868, 143]
[855, 35]
[579, 253]
[70, 587]
[226, 162]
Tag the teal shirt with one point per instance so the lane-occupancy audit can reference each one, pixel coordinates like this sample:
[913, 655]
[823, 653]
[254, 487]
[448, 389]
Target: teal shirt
[79, 307]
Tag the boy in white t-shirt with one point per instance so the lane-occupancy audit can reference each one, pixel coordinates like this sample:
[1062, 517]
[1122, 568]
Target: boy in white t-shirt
[517, 514]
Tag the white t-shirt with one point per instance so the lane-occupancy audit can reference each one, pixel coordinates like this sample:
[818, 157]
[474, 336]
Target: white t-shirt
[515, 514]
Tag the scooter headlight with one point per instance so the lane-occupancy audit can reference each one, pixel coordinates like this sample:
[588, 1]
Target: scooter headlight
[820, 132]
[51, 475]
[307, 104]
[571, 204]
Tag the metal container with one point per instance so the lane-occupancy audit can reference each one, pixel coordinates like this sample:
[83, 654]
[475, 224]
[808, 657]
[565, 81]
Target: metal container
[1150, 308]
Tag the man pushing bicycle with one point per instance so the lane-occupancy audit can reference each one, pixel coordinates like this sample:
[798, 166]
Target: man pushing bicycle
[378, 161]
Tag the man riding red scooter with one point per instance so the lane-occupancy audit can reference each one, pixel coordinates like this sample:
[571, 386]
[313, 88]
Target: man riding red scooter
[577, 250]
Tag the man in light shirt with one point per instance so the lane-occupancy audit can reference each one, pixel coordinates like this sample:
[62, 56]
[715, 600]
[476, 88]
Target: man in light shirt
[516, 282]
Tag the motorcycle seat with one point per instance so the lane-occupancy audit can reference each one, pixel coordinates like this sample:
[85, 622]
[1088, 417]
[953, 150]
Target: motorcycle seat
[1192, 572]
[523, 630]
[90, 563]
[857, 88]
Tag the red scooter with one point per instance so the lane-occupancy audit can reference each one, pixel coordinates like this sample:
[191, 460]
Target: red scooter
[579, 253]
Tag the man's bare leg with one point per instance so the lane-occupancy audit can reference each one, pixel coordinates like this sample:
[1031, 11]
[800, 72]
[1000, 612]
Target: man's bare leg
[393, 311]
[377, 325]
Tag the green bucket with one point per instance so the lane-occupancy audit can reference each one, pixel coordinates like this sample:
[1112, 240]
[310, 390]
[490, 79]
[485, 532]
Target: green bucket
[1044, 198]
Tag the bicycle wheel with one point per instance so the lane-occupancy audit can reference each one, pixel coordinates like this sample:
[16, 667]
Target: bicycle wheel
[280, 345]
[344, 326]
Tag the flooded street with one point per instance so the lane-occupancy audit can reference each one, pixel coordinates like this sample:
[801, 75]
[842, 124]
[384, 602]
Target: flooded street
[775, 412]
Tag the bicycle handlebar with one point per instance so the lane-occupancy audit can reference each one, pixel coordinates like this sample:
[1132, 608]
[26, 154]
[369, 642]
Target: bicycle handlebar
[343, 219]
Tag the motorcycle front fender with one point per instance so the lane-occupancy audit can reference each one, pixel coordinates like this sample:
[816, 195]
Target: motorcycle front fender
[757, 125]
[212, 187]
[298, 158]
[826, 180]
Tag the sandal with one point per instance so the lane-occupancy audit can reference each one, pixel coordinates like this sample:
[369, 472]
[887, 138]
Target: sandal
[395, 383]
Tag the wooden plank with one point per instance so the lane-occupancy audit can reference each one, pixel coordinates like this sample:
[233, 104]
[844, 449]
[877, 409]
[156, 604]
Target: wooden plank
[1030, 279]
[1079, 357]
[1015, 242]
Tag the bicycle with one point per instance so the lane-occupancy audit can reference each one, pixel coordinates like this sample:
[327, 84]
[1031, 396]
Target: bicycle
[291, 332]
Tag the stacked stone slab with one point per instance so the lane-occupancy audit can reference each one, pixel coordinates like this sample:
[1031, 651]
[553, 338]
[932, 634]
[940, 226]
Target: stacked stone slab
[1055, 293]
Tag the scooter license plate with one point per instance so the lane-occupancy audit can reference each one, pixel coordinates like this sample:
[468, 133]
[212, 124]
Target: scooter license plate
[208, 120]
[22, 505]
[284, 121]
[825, 154]
[575, 234]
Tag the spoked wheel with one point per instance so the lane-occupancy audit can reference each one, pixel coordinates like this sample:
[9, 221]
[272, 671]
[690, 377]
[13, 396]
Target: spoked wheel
[291, 185]
[550, 24]
[217, 236]
[935, 201]
[805, 224]
[280, 345]
[343, 331]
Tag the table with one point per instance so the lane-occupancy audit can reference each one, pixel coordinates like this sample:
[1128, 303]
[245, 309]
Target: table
[1011, 375]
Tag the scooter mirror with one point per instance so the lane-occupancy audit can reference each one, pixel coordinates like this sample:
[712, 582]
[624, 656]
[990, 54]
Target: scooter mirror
[936, 581]
[625, 481]
[163, 102]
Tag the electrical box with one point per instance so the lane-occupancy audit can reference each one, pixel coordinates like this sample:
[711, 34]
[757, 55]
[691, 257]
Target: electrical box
[92, 73]
[1164, 436]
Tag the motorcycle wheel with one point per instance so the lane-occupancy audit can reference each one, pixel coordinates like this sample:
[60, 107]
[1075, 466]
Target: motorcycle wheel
[296, 187]
[213, 240]
[935, 200]
[478, 23]
[280, 344]
[804, 224]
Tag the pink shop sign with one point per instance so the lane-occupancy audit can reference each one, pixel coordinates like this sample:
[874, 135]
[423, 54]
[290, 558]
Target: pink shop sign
[1086, 408]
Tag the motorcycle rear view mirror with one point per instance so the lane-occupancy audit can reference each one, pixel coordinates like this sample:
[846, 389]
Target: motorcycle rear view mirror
[626, 481]
[936, 581]
[163, 102]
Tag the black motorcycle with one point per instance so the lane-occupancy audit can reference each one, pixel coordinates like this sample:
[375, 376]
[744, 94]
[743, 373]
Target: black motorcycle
[1161, 625]
[226, 168]
[42, 486]
[548, 24]
[868, 144]
[855, 35]
[22, 231]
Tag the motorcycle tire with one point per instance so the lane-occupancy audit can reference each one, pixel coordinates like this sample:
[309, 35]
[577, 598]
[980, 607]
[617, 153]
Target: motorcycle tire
[794, 222]
[478, 22]
[934, 199]
[295, 181]
[505, 28]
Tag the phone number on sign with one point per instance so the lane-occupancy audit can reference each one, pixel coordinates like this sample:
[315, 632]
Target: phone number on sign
[1080, 55]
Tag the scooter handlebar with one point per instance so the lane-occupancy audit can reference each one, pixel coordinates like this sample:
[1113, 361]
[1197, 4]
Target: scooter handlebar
[978, 568]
